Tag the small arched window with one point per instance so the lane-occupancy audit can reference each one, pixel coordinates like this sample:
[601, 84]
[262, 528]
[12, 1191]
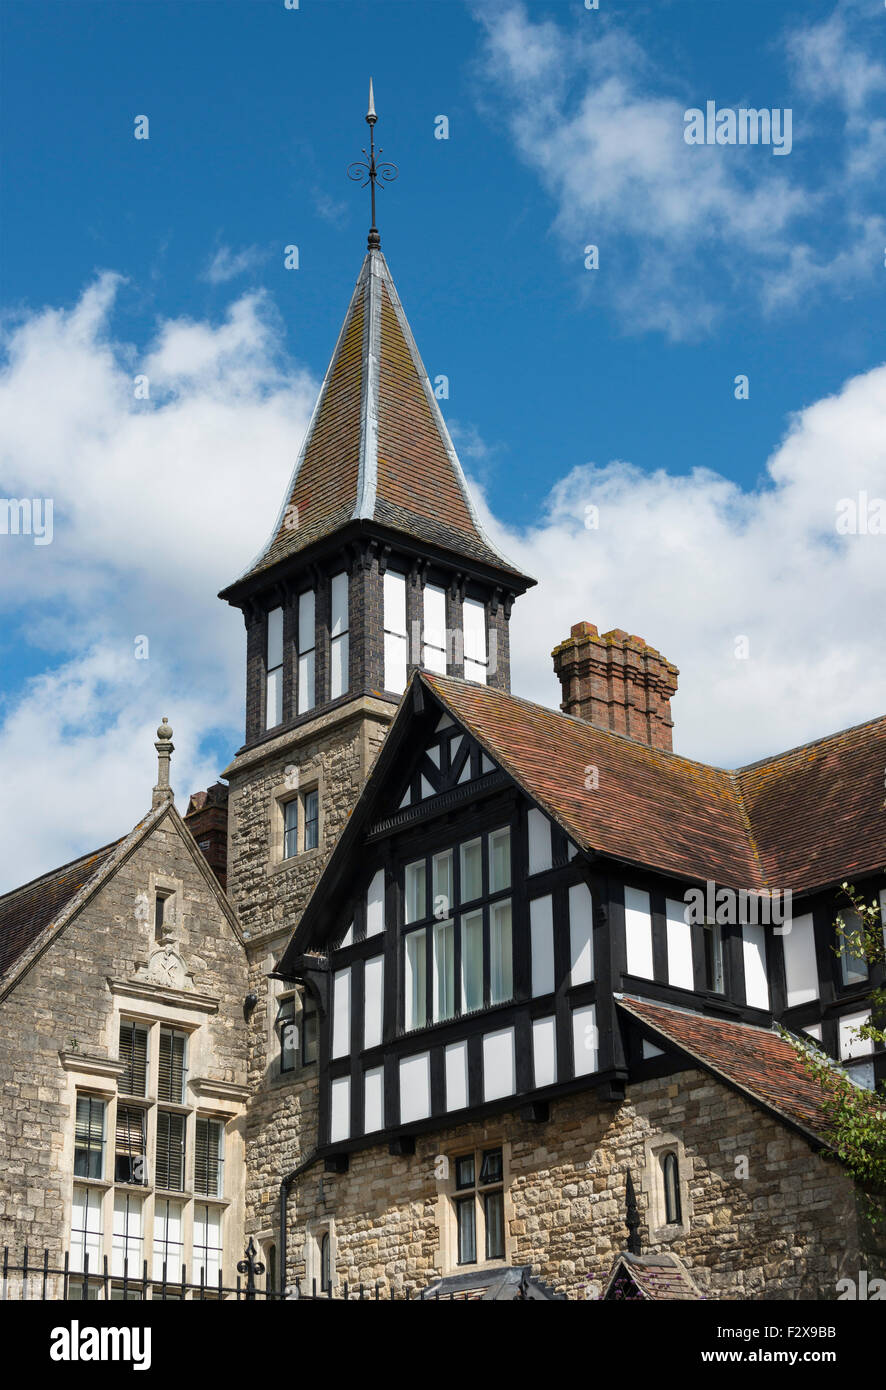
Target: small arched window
[671, 1178]
[325, 1271]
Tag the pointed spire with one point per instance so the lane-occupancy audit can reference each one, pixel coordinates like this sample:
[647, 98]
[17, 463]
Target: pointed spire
[371, 117]
[377, 449]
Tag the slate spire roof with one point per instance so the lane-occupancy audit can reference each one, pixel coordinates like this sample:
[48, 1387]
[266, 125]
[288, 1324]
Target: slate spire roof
[377, 449]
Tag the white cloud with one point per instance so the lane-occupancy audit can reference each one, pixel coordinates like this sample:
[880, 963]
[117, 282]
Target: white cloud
[227, 264]
[691, 563]
[157, 504]
[679, 227]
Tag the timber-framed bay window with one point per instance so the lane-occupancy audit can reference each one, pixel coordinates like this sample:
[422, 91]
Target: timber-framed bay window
[149, 1164]
[457, 930]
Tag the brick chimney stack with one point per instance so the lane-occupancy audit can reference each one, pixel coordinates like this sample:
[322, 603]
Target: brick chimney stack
[617, 682]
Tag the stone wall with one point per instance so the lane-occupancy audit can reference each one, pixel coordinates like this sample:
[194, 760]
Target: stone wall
[787, 1230]
[334, 751]
[64, 1004]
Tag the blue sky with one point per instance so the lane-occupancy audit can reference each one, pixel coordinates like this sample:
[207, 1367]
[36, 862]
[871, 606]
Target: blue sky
[567, 386]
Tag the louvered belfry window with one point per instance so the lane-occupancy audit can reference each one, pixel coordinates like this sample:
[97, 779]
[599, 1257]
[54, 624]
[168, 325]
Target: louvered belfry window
[170, 1159]
[129, 1148]
[208, 1161]
[171, 1066]
[134, 1053]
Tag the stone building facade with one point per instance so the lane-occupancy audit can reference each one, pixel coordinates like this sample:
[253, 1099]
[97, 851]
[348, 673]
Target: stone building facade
[100, 1147]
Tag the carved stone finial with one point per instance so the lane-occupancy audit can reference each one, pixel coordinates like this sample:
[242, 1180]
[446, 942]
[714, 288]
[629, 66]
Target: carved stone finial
[165, 748]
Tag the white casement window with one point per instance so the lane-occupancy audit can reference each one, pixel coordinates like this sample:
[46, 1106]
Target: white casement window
[544, 1051]
[581, 934]
[375, 904]
[800, 965]
[585, 1040]
[339, 628]
[499, 1064]
[476, 654]
[127, 1243]
[471, 961]
[756, 983]
[207, 1243]
[501, 969]
[394, 598]
[373, 1000]
[307, 641]
[450, 913]
[433, 652]
[541, 934]
[373, 1099]
[416, 998]
[853, 966]
[169, 1243]
[274, 702]
[209, 1157]
[679, 940]
[444, 970]
[638, 932]
[456, 1068]
[341, 1013]
[340, 1109]
[86, 1229]
[540, 850]
[415, 1088]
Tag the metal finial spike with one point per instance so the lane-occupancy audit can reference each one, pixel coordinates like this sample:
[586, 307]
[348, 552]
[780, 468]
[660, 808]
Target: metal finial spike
[369, 170]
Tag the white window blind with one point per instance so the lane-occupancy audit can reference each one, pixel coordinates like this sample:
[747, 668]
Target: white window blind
[541, 932]
[638, 933]
[306, 652]
[476, 659]
[679, 938]
[394, 597]
[584, 1040]
[339, 636]
[544, 1051]
[415, 1088]
[274, 705]
[540, 853]
[756, 984]
[434, 643]
[581, 933]
[800, 966]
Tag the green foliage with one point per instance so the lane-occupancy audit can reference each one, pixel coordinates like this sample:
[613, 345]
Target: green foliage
[855, 1117]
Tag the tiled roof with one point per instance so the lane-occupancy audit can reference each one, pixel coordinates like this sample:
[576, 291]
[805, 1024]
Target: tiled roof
[657, 1277]
[377, 448]
[817, 812]
[798, 821]
[27, 911]
[758, 1061]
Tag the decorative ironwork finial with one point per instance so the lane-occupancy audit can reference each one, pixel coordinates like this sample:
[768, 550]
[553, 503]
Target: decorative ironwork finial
[633, 1217]
[251, 1267]
[369, 170]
